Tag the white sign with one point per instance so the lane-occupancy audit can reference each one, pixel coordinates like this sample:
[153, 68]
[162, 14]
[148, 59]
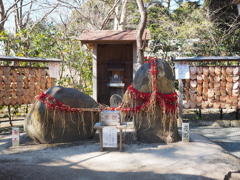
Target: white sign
[110, 118]
[185, 132]
[182, 70]
[15, 137]
[109, 137]
[53, 69]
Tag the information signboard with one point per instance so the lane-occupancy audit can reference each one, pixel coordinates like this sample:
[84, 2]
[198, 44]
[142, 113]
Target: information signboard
[53, 69]
[182, 70]
[109, 137]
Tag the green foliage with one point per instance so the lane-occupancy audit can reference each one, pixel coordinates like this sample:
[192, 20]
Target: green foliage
[188, 31]
[12, 111]
[48, 41]
[184, 10]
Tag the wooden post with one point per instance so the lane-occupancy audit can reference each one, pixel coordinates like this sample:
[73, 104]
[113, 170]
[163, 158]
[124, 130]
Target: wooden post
[53, 81]
[200, 113]
[221, 113]
[101, 139]
[237, 113]
[120, 141]
[180, 102]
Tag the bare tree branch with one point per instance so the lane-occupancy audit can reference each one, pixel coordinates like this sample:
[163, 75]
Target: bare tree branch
[78, 10]
[11, 9]
[44, 16]
[28, 16]
[109, 14]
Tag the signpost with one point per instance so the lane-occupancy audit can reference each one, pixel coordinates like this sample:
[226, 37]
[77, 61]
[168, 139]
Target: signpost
[181, 72]
[108, 119]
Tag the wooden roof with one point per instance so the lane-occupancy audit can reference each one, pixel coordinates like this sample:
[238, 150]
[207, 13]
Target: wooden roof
[211, 58]
[236, 2]
[90, 36]
[28, 59]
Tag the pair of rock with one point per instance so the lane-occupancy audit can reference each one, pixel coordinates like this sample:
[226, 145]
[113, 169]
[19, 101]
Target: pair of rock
[48, 126]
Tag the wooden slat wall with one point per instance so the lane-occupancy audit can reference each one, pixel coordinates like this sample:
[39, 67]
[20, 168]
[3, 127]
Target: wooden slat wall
[20, 85]
[223, 96]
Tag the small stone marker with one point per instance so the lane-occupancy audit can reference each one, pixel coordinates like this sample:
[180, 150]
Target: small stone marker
[115, 100]
[185, 132]
[15, 136]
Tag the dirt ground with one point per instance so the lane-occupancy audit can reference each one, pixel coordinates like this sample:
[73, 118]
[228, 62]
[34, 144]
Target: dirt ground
[198, 159]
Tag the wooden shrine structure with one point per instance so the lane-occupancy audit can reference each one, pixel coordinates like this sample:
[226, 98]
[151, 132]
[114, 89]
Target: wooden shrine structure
[114, 60]
[208, 86]
[237, 2]
[19, 84]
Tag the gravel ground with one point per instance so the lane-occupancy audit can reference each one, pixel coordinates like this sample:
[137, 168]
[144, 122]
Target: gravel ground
[200, 159]
[226, 137]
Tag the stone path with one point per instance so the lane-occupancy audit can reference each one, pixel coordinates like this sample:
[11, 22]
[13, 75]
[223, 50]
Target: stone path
[226, 137]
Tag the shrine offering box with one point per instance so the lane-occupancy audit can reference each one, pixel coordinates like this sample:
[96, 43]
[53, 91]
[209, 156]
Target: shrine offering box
[110, 118]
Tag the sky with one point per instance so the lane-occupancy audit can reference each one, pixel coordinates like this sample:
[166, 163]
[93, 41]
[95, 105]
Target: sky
[39, 13]
[174, 5]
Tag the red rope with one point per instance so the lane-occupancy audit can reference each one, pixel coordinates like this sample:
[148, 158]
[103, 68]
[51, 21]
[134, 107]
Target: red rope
[54, 103]
[168, 102]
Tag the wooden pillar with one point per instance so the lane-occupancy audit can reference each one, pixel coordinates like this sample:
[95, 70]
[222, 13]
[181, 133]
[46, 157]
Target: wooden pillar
[180, 101]
[53, 82]
[94, 78]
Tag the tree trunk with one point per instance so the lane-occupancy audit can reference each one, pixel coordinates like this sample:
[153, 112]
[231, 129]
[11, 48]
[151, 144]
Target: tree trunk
[116, 20]
[123, 15]
[3, 16]
[142, 25]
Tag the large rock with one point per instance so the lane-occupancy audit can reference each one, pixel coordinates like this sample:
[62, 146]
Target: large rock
[47, 125]
[156, 126]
